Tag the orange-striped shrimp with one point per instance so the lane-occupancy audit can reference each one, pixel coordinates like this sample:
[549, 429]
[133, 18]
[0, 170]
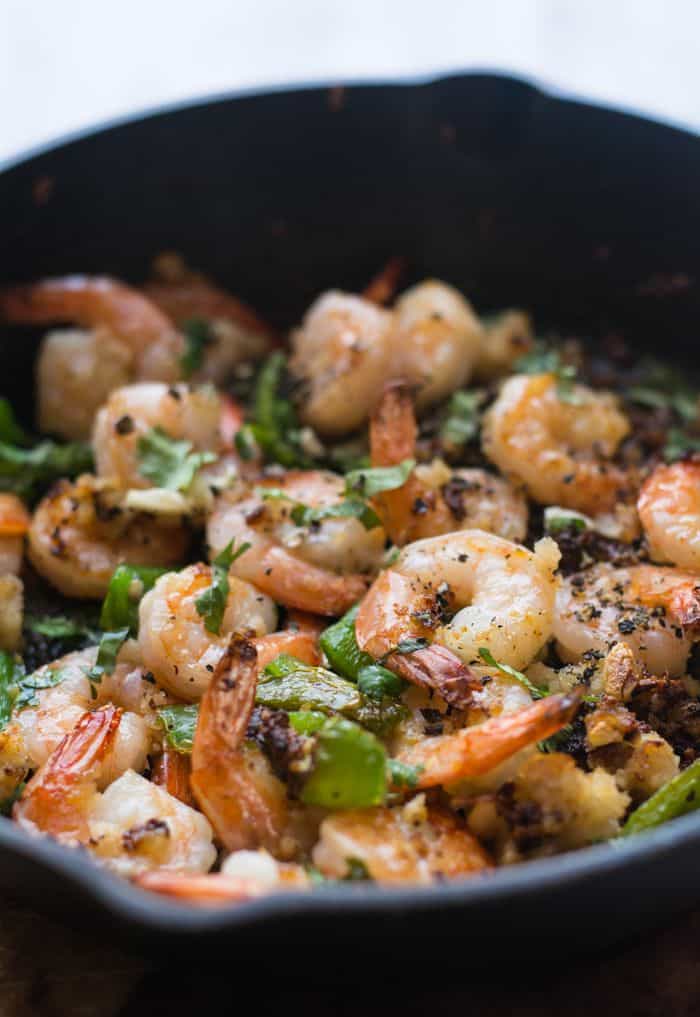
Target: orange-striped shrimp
[14, 524]
[436, 499]
[231, 779]
[319, 568]
[473, 751]
[669, 509]
[130, 825]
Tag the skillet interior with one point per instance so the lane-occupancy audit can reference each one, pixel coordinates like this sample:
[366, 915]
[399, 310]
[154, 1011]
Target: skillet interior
[585, 216]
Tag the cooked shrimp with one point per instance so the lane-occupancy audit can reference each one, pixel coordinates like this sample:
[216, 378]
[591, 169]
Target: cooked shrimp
[561, 449]
[171, 770]
[100, 302]
[382, 287]
[80, 533]
[11, 612]
[342, 353]
[669, 508]
[131, 826]
[503, 594]
[473, 751]
[238, 334]
[62, 695]
[75, 372]
[173, 639]
[231, 779]
[130, 412]
[261, 875]
[14, 524]
[436, 340]
[409, 844]
[655, 611]
[436, 499]
[314, 568]
[507, 336]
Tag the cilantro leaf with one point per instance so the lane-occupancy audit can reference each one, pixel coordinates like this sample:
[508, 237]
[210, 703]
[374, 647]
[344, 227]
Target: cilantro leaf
[306, 515]
[542, 359]
[10, 430]
[410, 645]
[29, 685]
[167, 462]
[557, 519]
[198, 335]
[211, 604]
[679, 444]
[276, 428]
[535, 691]
[58, 626]
[11, 673]
[110, 645]
[368, 483]
[462, 422]
[27, 472]
[179, 724]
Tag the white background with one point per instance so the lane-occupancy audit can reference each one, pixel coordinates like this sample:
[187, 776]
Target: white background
[66, 64]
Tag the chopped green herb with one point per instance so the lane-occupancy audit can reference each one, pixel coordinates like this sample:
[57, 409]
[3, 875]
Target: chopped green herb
[129, 583]
[110, 645]
[27, 472]
[179, 724]
[29, 685]
[368, 483]
[544, 360]
[357, 870]
[276, 428]
[198, 335]
[535, 691]
[403, 775]
[679, 444]
[410, 645]
[57, 626]
[11, 673]
[7, 803]
[663, 386]
[167, 462]
[557, 519]
[350, 508]
[462, 421]
[556, 741]
[10, 431]
[245, 443]
[211, 604]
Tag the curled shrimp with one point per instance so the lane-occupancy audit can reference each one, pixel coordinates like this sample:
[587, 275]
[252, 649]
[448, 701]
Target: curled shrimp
[341, 353]
[436, 340]
[132, 411]
[130, 824]
[669, 510]
[80, 532]
[101, 302]
[231, 780]
[436, 499]
[408, 844]
[237, 334]
[174, 641]
[653, 610]
[473, 751]
[14, 524]
[507, 336]
[561, 449]
[317, 568]
[503, 595]
[63, 693]
[383, 286]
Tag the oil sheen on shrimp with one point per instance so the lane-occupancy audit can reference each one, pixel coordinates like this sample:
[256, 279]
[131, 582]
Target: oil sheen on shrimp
[130, 825]
[80, 532]
[653, 610]
[130, 412]
[500, 596]
[319, 568]
[560, 448]
[669, 509]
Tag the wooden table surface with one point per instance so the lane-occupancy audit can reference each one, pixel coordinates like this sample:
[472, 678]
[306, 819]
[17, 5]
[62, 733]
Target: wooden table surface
[47, 970]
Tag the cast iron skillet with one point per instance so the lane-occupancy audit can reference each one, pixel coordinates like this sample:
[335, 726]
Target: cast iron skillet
[587, 216]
